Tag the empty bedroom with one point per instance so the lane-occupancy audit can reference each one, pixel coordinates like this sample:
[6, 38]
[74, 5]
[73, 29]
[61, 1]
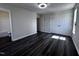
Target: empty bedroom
[39, 29]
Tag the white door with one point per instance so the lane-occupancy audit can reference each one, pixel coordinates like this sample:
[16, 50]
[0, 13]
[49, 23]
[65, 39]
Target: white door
[61, 23]
[47, 23]
[55, 26]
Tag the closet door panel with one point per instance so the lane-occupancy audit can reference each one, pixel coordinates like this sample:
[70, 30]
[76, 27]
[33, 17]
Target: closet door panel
[41, 24]
[47, 23]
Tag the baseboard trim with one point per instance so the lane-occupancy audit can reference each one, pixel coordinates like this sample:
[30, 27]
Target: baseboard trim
[58, 34]
[23, 37]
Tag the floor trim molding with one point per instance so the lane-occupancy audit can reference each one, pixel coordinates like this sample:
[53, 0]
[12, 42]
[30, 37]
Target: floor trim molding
[22, 37]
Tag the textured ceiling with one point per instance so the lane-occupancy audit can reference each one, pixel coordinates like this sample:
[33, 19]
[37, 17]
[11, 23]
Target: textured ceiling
[52, 7]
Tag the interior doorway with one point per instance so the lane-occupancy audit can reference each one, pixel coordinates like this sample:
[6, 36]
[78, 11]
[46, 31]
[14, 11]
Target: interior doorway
[5, 26]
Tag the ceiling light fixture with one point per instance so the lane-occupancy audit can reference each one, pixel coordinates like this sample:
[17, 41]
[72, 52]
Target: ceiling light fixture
[42, 5]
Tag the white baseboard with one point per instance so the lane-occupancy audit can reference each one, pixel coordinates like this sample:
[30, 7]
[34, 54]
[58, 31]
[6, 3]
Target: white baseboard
[23, 36]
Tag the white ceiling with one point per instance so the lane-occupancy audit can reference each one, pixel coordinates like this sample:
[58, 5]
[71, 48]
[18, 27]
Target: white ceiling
[52, 7]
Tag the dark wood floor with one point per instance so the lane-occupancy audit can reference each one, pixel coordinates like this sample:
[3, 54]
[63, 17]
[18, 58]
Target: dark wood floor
[4, 40]
[40, 44]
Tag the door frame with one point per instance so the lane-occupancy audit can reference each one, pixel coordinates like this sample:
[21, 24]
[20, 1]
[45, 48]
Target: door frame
[9, 11]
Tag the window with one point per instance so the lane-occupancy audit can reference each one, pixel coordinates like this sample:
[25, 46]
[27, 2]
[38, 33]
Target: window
[74, 21]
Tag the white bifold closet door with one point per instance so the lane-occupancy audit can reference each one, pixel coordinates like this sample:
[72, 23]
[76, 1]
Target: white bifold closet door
[60, 23]
[47, 23]
[44, 23]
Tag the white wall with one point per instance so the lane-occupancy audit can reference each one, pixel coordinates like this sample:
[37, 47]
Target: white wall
[60, 23]
[23, 22]
[4, 22]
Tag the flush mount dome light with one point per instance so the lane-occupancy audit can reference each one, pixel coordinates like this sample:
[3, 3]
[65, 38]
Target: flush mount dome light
[42, 5]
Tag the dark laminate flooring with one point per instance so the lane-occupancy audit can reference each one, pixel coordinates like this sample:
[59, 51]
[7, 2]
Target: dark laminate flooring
[4, 40]
[40, 44]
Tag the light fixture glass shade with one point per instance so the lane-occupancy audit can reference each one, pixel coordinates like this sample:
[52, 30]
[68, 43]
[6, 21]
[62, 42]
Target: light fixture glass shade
[42, 5]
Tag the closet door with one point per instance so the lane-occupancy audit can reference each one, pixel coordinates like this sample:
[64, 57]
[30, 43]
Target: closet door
[47, 23]
[61, 23]
[41, 24]
[55, 26]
